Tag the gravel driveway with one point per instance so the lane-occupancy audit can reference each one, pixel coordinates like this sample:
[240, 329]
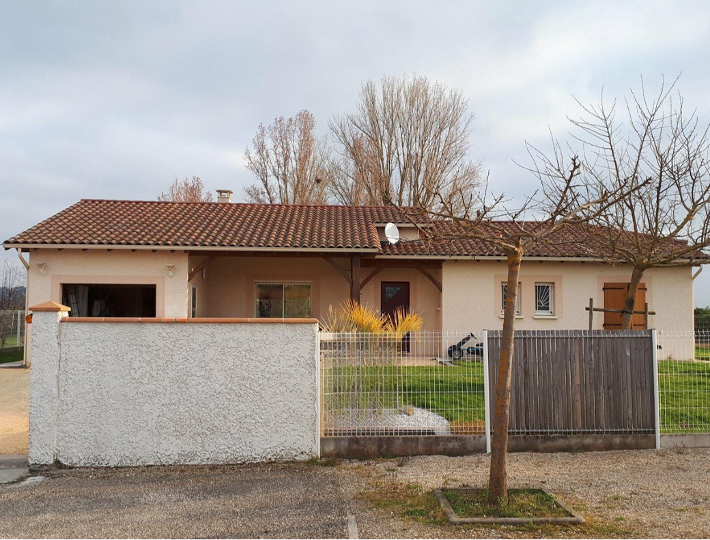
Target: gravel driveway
[644, 493]
[622, 494]
[14, 407]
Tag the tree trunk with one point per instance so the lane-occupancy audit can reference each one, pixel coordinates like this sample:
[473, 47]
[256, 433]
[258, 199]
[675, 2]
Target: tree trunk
[498, 479]
[627, 315]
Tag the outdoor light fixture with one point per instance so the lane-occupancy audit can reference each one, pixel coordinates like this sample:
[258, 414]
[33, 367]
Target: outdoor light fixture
[42, 268]
[171, 269]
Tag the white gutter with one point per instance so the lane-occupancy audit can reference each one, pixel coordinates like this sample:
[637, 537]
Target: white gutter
[188, 248]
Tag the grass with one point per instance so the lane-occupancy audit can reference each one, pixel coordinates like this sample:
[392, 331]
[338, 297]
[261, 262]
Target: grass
[413, 503]
[684, 396]
[522, 503]
[456, 392]
[10, 356]
[11, 341]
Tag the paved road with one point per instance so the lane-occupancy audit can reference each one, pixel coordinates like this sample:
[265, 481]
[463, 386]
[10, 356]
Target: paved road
[267, 501]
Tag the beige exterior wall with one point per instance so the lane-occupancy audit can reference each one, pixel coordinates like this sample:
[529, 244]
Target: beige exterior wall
[114, 267]
[227, 288]
[471, 299]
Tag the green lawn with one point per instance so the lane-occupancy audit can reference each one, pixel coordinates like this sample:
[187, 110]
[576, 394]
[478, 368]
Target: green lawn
[11, 341]
[685, 396]
[456, 392]
[10, 356]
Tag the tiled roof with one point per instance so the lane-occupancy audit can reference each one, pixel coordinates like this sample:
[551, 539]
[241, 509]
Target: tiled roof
[226, 225]
[205, 226]
[565, 242]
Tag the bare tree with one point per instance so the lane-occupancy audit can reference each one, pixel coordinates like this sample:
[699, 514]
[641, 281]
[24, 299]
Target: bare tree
[666, 222]
[563, 201]
[290, 162]
[12, 297]
[186, 191]
[408, 143]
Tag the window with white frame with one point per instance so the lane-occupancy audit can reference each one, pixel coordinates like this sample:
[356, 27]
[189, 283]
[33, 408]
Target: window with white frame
[544, 299]
[504, 293]
[283, 300]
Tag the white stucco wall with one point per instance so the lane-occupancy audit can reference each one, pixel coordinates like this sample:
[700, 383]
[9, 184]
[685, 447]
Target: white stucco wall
[167, 393]
[471, 298]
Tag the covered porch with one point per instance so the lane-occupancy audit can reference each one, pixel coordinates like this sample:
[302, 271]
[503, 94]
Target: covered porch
[229, 284]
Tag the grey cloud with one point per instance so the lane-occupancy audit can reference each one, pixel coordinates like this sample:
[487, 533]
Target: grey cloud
[115, 99]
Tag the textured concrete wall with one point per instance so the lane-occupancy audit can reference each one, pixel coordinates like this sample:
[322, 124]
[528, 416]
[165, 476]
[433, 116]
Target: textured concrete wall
[44, 389]
[163, 393]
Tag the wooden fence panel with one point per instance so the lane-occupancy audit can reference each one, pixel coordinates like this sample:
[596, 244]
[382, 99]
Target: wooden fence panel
[578, 381]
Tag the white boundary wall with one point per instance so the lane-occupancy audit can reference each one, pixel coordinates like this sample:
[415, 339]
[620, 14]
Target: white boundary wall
[139, 393]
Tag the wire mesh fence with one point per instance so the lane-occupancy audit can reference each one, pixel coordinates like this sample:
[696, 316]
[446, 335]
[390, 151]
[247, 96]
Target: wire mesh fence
[684, 381]
[422, 383]
[12, 335]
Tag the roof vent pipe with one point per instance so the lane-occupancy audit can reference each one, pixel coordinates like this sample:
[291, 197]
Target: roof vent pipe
[224, 195]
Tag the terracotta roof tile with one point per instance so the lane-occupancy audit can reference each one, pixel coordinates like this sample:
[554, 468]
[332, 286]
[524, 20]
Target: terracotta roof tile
[92, 222]
[153, 223]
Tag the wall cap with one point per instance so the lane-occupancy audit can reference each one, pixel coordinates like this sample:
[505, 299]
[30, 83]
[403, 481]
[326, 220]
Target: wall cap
[197, 320]
[50, 306]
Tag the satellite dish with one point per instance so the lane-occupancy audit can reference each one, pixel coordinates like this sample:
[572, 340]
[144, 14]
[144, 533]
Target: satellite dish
[392, 233]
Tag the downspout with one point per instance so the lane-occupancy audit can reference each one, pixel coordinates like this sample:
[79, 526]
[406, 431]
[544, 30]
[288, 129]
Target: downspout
[696, 274]
[25, 263]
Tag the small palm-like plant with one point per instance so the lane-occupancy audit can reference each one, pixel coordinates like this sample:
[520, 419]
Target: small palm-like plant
[350, 316]
[402, 322]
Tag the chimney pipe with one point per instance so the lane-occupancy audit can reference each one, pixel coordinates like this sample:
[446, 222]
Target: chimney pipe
[224, 195]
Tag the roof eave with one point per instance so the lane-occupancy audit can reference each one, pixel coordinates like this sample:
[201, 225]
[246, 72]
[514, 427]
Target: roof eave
[144, 247]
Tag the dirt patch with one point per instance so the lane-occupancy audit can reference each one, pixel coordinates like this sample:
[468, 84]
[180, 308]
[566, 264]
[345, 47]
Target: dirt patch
[14, 410]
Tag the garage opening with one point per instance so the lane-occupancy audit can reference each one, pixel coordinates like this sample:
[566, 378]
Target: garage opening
[105, 300]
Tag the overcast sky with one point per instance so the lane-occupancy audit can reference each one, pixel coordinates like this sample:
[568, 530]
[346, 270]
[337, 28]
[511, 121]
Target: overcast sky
[115, 100]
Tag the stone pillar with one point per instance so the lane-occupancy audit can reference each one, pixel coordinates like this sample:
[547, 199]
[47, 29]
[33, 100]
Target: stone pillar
[44, 381]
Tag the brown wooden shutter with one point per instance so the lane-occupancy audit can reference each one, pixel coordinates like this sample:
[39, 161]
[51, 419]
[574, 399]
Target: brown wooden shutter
[638, 322]
[615, 298]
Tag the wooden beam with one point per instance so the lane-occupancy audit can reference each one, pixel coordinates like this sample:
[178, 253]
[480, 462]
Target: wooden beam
[406, 263]
[431, 278]
[342, 272]
[200, 267]
[355, 278]
[369, 278]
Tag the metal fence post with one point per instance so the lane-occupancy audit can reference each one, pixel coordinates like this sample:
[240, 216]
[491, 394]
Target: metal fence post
[656, 389]
[486, 392]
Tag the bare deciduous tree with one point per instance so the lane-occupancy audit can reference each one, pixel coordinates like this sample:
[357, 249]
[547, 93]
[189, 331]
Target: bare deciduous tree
[186, 191]
[408, 143]
[666, 222]
[563, 200]
[12, 297]
[290, 162]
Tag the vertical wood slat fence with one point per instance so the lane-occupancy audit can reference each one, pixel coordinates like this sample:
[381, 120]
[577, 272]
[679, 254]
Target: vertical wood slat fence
[578, 382]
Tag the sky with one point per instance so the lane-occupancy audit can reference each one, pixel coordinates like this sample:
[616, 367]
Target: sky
[114, 100]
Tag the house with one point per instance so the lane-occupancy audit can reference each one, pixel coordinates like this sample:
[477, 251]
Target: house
[111, 258]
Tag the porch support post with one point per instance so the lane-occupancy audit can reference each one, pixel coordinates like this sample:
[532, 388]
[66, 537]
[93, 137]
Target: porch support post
[355, 278]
